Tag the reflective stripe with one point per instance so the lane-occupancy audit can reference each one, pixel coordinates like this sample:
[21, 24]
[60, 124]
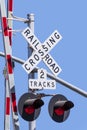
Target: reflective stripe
[7, 105]
[10, 70]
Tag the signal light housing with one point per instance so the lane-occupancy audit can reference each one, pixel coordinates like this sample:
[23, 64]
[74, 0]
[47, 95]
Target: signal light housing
[59, 108]
[29, 106]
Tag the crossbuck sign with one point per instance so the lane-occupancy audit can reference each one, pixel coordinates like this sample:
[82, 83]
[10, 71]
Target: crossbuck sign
[41, 51]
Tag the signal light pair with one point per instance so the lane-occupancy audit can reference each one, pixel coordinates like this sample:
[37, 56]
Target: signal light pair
[29, 107]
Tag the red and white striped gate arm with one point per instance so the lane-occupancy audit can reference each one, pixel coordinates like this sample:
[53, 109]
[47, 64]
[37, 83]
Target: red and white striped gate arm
[10, 22]
[7, 93]
[8, 57]
[7, 106]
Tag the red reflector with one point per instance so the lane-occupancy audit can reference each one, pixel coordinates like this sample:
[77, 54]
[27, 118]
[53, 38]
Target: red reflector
[59, 111]
[29, 110]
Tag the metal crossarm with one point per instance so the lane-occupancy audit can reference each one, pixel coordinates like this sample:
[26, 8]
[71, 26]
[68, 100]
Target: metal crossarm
[57, 79]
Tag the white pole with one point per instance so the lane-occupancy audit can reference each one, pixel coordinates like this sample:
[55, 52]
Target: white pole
[32, 124]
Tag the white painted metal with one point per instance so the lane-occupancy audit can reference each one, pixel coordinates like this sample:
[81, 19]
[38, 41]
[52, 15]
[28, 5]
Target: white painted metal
[32, 124]
[41, 51]
[42, 84]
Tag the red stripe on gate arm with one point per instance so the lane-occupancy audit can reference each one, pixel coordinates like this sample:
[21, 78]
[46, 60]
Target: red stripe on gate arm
[9, 64]
[5, 26]
[10, 36]
[14, 102]
[7, 105]
[10, 5]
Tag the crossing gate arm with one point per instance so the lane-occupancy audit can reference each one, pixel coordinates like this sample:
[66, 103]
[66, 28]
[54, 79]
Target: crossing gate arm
[57, 79]
[8, 60]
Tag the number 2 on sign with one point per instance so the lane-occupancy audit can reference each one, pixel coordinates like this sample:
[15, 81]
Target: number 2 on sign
[42, 74]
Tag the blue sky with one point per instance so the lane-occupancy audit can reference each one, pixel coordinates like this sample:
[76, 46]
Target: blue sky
[69, 18]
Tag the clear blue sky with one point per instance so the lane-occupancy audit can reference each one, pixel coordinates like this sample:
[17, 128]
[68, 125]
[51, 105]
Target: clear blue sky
[70, 19]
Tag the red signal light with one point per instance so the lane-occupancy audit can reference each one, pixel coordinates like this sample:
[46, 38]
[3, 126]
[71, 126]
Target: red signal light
[29, 106]
[59, 111]
[29, 110]
[59, 108]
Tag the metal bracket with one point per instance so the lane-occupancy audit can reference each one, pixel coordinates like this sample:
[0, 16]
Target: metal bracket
[18, 19]
[5, 72]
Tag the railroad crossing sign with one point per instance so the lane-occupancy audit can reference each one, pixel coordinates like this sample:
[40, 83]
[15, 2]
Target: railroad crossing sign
[41, 51]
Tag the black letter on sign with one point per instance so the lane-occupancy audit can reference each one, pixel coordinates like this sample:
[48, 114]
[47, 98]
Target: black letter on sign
[45, 48]
[41, 52]
[31, 62]
[36, 57]
[27, 32]
[31, 38]
[49, 61]
[57, 36]
[56, 70]
[52, 40]
[46, 57]
[27, 67]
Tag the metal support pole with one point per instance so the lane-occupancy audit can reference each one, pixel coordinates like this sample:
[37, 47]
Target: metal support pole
[32, 124]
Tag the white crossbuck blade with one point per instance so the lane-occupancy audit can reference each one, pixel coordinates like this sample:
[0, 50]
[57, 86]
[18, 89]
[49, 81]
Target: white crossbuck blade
[41, 51]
